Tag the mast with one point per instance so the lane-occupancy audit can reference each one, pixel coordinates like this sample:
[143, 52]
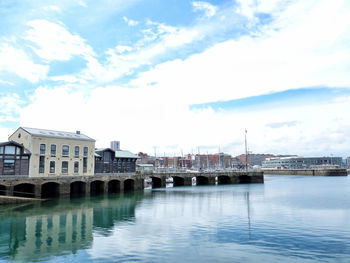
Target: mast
[246, 152]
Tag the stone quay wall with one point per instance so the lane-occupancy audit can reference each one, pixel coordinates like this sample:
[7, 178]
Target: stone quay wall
[311, 172]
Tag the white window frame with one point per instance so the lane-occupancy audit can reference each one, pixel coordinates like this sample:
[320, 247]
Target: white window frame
[55, 150]
[62, 167]
[40, 149]
[74, 167]
[68, 150]
[77, 156]
[54, 171]
[87, 154]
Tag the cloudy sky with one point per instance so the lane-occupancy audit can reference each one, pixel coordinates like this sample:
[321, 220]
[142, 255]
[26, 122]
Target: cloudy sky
[172, 76]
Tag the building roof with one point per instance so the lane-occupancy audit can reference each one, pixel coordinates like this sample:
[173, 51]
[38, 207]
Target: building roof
[57, 134]
[119, 153]
[125, 154]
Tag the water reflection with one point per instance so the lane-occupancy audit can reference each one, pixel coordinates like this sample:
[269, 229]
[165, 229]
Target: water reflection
[287, 219]
[53, 228]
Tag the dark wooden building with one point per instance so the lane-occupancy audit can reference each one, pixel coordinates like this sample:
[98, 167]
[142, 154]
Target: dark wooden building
[14, 159]
[110, 161]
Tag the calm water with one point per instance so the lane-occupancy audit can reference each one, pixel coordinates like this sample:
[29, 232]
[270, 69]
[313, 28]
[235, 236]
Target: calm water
[287, 219]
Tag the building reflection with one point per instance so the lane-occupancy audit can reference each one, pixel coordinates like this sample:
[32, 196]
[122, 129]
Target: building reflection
[62, 227]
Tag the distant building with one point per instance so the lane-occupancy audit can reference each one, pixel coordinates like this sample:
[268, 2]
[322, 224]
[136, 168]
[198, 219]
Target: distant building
[348, 162]
[115, 145]
[301, 162]
[110, 161]
[144, 167]
[56, 153]
[253, 158]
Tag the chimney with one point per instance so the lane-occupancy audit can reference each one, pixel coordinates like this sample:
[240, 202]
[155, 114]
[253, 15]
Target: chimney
[77, 132]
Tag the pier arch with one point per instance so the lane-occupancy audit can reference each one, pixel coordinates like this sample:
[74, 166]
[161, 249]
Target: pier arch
[129, 185]
[97, 187]
[24, 190]
[156, 182]
[224, 179]
[202, 180]
[77, 188]
[114, 186]
[50, 189]
[3, 189]
[178, 181]
[245, 179]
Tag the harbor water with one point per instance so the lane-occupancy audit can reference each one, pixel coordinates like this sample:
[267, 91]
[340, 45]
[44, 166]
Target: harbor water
[286, 219]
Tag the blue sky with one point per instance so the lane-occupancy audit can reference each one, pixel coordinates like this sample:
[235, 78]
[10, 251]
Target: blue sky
[176, 76]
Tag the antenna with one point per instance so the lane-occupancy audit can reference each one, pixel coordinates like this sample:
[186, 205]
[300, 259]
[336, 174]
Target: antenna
[246, 152]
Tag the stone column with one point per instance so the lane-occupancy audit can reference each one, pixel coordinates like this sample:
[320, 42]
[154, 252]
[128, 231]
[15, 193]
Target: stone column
[64, 188]
[9, 190]
[37, 191]
[211, 180]
[188, 181]
[87, 188]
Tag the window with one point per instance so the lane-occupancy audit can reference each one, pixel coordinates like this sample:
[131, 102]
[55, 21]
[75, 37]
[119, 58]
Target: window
[9, 167]
[53, 150]
[10, 149]
[1, 149]
[65, 150]
[76, 151]
[64, 167]
[84, 165]
[18, 150]
[86, 150]
[41, 164]
[76, 167]
[42, 149]
[52, 167]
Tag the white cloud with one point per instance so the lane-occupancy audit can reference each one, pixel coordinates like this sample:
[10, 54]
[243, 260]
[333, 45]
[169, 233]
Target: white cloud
[130, 22]
[305, 46]
[10, 105]
[122, 49]
[54, 42]
[209, 9]
[82, 3]
[146, 117]
[53, 8]
[307, 50]
[13, 60]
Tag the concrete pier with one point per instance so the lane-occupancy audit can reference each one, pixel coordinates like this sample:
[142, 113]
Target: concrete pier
[206, 178]
[311, 172]
[49, 187]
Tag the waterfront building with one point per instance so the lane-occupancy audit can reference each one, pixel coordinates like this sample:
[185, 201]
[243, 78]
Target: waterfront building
[56, 153]
[348, 162]
[110, 161]
[14, 159]
[301, 162]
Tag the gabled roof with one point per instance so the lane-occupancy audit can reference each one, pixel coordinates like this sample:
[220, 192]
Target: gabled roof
[125, 154]
[25, 151]
[118, 153]
[57, 134]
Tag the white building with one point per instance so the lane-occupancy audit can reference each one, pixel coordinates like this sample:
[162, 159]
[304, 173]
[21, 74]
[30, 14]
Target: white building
[56, 153]
[115, 145]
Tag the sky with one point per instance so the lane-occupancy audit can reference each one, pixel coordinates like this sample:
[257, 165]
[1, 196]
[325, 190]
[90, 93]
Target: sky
[172, 77]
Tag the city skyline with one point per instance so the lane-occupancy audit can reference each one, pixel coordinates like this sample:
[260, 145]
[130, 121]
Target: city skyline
[178, 76]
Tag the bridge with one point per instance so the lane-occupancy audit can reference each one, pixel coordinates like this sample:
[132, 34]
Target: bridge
[48, 187]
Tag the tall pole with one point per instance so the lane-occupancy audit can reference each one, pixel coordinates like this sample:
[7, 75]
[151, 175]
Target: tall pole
[246, 152]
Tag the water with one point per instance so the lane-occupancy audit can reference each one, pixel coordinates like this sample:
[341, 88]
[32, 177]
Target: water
[287, 219]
